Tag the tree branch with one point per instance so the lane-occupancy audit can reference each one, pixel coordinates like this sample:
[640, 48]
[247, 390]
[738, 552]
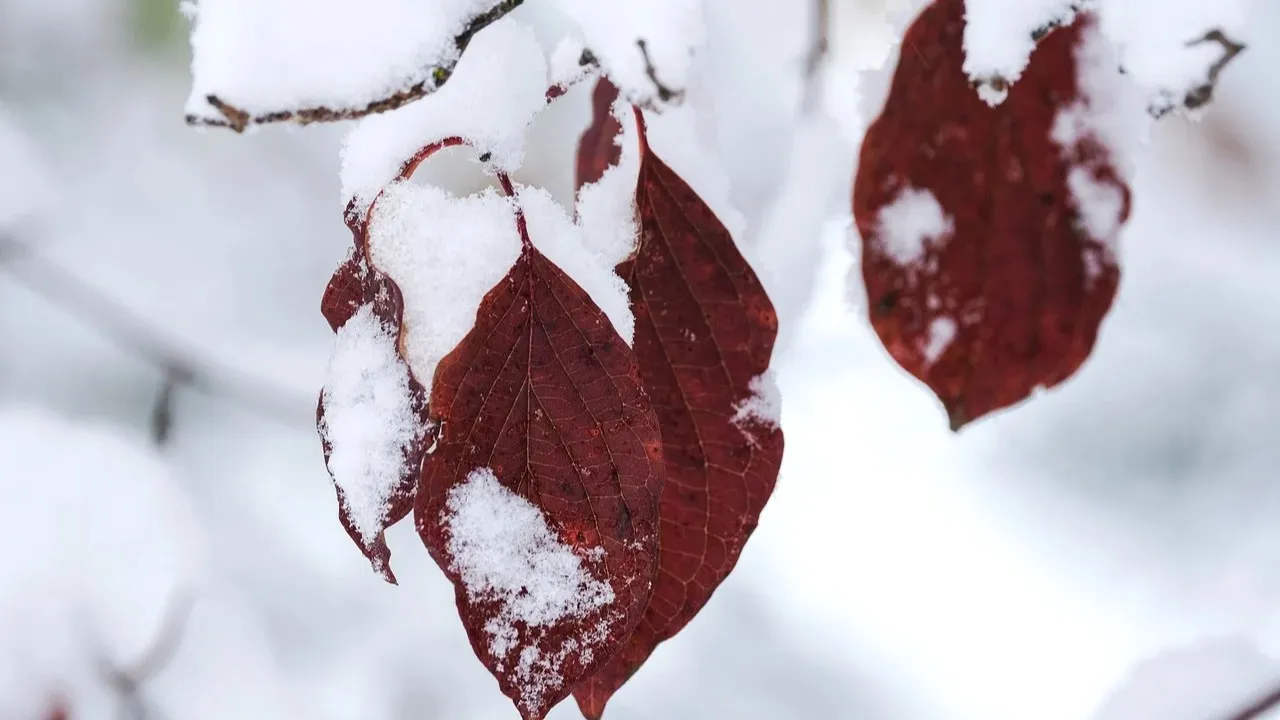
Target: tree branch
[1260, 707]
[429, 80]
[182, 366]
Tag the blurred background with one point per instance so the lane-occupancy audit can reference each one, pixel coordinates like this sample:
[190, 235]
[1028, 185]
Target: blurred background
[169, 544]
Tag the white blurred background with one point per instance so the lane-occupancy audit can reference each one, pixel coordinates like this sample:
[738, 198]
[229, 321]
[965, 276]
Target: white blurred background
[1022, 569]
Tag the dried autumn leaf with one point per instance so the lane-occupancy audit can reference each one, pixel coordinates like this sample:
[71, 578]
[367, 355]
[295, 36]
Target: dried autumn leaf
[704, 335]
[989, 232]
[598, 148]
[540, 500]
[381, 425]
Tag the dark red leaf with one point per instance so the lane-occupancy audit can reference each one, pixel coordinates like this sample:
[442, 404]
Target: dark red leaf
[1009, 297]
[598, 148]
[545, 395]
[704, 333]
[356, 284]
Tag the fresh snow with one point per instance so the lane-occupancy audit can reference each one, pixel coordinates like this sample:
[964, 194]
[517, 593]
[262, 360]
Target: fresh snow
[997, 39]
[910, 224]
[498, 87]
[671, 30]
[445, 253]
[606, 209]
[99, 541]
[942, 330]
[268, 55]
[369, 419]
[764, 405]
[504, 552]
[1111, 111]
[566, 245]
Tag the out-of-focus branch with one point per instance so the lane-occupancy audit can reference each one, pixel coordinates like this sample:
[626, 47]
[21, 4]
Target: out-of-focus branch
[665, 93]
[816, 60]
[1202, 94]
[182, 366]
[1260, 707]
[127, 681]
[426, 82]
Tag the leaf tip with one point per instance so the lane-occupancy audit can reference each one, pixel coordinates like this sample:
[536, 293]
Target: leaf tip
[957, 418]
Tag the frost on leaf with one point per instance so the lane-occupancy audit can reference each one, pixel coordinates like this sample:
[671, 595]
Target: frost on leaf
[989, 233]
[262, 61]
[372, 414]
[540, 409]
[704, 336]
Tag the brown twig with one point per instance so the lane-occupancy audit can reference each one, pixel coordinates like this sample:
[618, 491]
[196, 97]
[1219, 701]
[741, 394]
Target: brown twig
[1200, 95]
[426, 82]
[665, 94]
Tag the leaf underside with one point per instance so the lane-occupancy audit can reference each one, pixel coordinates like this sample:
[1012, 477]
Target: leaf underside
[1019, 285]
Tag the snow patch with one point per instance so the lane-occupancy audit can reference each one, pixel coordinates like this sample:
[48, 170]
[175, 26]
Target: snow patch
[910, 224]
[504, 552]
[763, 406]
[369, 419]
[268, 55]
[445, 253]
[942, 331]
[498, 87]
[589, 264]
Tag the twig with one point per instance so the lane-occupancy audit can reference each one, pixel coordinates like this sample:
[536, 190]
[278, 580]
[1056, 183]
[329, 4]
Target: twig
[665, 94]
[1202, 94]
[426, 82]
[183, 366]
[127, 682]
[815, 61]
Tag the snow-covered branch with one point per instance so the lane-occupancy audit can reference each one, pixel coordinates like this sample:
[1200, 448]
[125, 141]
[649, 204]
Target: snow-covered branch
[423, 82]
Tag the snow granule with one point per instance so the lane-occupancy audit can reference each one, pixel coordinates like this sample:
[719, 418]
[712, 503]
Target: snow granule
[566, 245]
[268, 55]
[369, 419]
[764, 405]
[670, 29]
[910, 224]
[942, 331]
[498, 87]
[504, 551]
[445, 253]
